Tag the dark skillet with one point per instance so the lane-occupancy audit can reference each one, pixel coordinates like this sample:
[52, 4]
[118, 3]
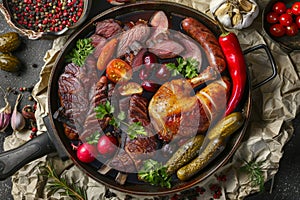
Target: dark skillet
[55, 139]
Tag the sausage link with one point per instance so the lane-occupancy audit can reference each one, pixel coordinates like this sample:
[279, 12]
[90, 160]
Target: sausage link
[207, 40]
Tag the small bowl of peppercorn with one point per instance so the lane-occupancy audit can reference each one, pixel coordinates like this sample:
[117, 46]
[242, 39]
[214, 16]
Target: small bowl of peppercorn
[43, 18]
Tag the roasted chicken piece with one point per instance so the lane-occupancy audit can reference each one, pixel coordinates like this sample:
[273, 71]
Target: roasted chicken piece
[177, 111]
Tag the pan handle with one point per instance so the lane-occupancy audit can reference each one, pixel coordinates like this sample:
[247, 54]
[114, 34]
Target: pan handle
[271, 59]
[11, 161]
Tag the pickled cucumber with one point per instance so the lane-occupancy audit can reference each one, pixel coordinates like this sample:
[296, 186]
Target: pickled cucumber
[9, 62]
[215, 145]
[184, 154]
[226, 126]
[9, 42]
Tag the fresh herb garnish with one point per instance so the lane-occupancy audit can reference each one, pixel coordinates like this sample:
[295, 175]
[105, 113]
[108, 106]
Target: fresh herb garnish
[82, 50]
[255, 171]
[186, 67]
[133, 130]
[61, 185]
[155, 173]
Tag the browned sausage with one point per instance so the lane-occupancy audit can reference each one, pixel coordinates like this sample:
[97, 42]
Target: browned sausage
[207, 40]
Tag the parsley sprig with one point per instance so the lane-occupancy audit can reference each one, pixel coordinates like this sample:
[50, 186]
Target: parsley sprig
[255, 172]
[155, 173]
[133, 130]
[186, 67]
[82, 50]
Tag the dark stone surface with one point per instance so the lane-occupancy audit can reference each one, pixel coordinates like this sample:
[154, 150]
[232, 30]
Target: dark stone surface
[287, 180]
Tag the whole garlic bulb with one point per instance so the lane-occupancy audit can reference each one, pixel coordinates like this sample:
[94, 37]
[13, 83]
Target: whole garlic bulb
[237, 14]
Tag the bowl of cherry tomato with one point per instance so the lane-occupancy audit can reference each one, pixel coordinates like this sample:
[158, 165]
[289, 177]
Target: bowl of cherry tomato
[281, 22]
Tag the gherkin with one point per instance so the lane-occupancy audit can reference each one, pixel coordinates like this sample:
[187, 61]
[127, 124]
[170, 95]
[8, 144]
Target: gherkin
[9, 42]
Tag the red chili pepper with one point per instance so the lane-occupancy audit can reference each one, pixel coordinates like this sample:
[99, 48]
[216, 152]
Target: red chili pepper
[236, 66]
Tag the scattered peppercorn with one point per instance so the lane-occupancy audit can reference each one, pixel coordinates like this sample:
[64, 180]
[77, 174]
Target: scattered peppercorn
[221, 178]
[34, 129]
[46, 15]
[34, 65]
[32, 135]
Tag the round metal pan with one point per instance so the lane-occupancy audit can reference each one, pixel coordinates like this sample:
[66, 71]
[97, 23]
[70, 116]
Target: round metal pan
[131, 187]
[56, 140]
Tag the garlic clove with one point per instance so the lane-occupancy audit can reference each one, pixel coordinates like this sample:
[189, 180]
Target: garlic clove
[245, 5]
[223, 9]
[4, 120]
[5, 113]
[17, 120]
[237, 18]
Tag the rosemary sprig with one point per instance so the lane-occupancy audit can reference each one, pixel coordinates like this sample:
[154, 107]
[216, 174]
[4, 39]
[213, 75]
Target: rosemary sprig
[59, 184]
[133, 130]
[255, 172]
[82, 50]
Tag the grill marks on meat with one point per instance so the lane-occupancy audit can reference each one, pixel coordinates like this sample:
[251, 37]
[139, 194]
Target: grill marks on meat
[138, 106]
[98, 95]
[68, 85]
[79, 95]
[141, 149]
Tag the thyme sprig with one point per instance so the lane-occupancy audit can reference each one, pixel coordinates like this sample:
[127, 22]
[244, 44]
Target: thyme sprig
[133, 129]
[255, 171]
[81, 51]
[61, 185]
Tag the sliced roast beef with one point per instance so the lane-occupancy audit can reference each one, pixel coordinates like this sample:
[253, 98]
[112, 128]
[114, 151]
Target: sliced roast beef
[122, 162]
[138, 107]
[99, 47]
[166, 49]
[108, 28]
[139, 33]
[141, 148]
[159, 20]
[98, 95]
[96, 39]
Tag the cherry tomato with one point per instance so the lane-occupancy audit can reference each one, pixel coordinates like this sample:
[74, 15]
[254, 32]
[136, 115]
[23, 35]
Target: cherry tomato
[289, 11]
[298, 21]
[285, 19]
[292, 30]
[118, 70]
[277, 30]
[107, 145]
[296, 8]
[272, 17]
[86, 152]
[279, 7]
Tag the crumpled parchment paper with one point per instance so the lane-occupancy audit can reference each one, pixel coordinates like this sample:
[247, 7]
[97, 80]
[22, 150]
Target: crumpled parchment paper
[274, 106]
